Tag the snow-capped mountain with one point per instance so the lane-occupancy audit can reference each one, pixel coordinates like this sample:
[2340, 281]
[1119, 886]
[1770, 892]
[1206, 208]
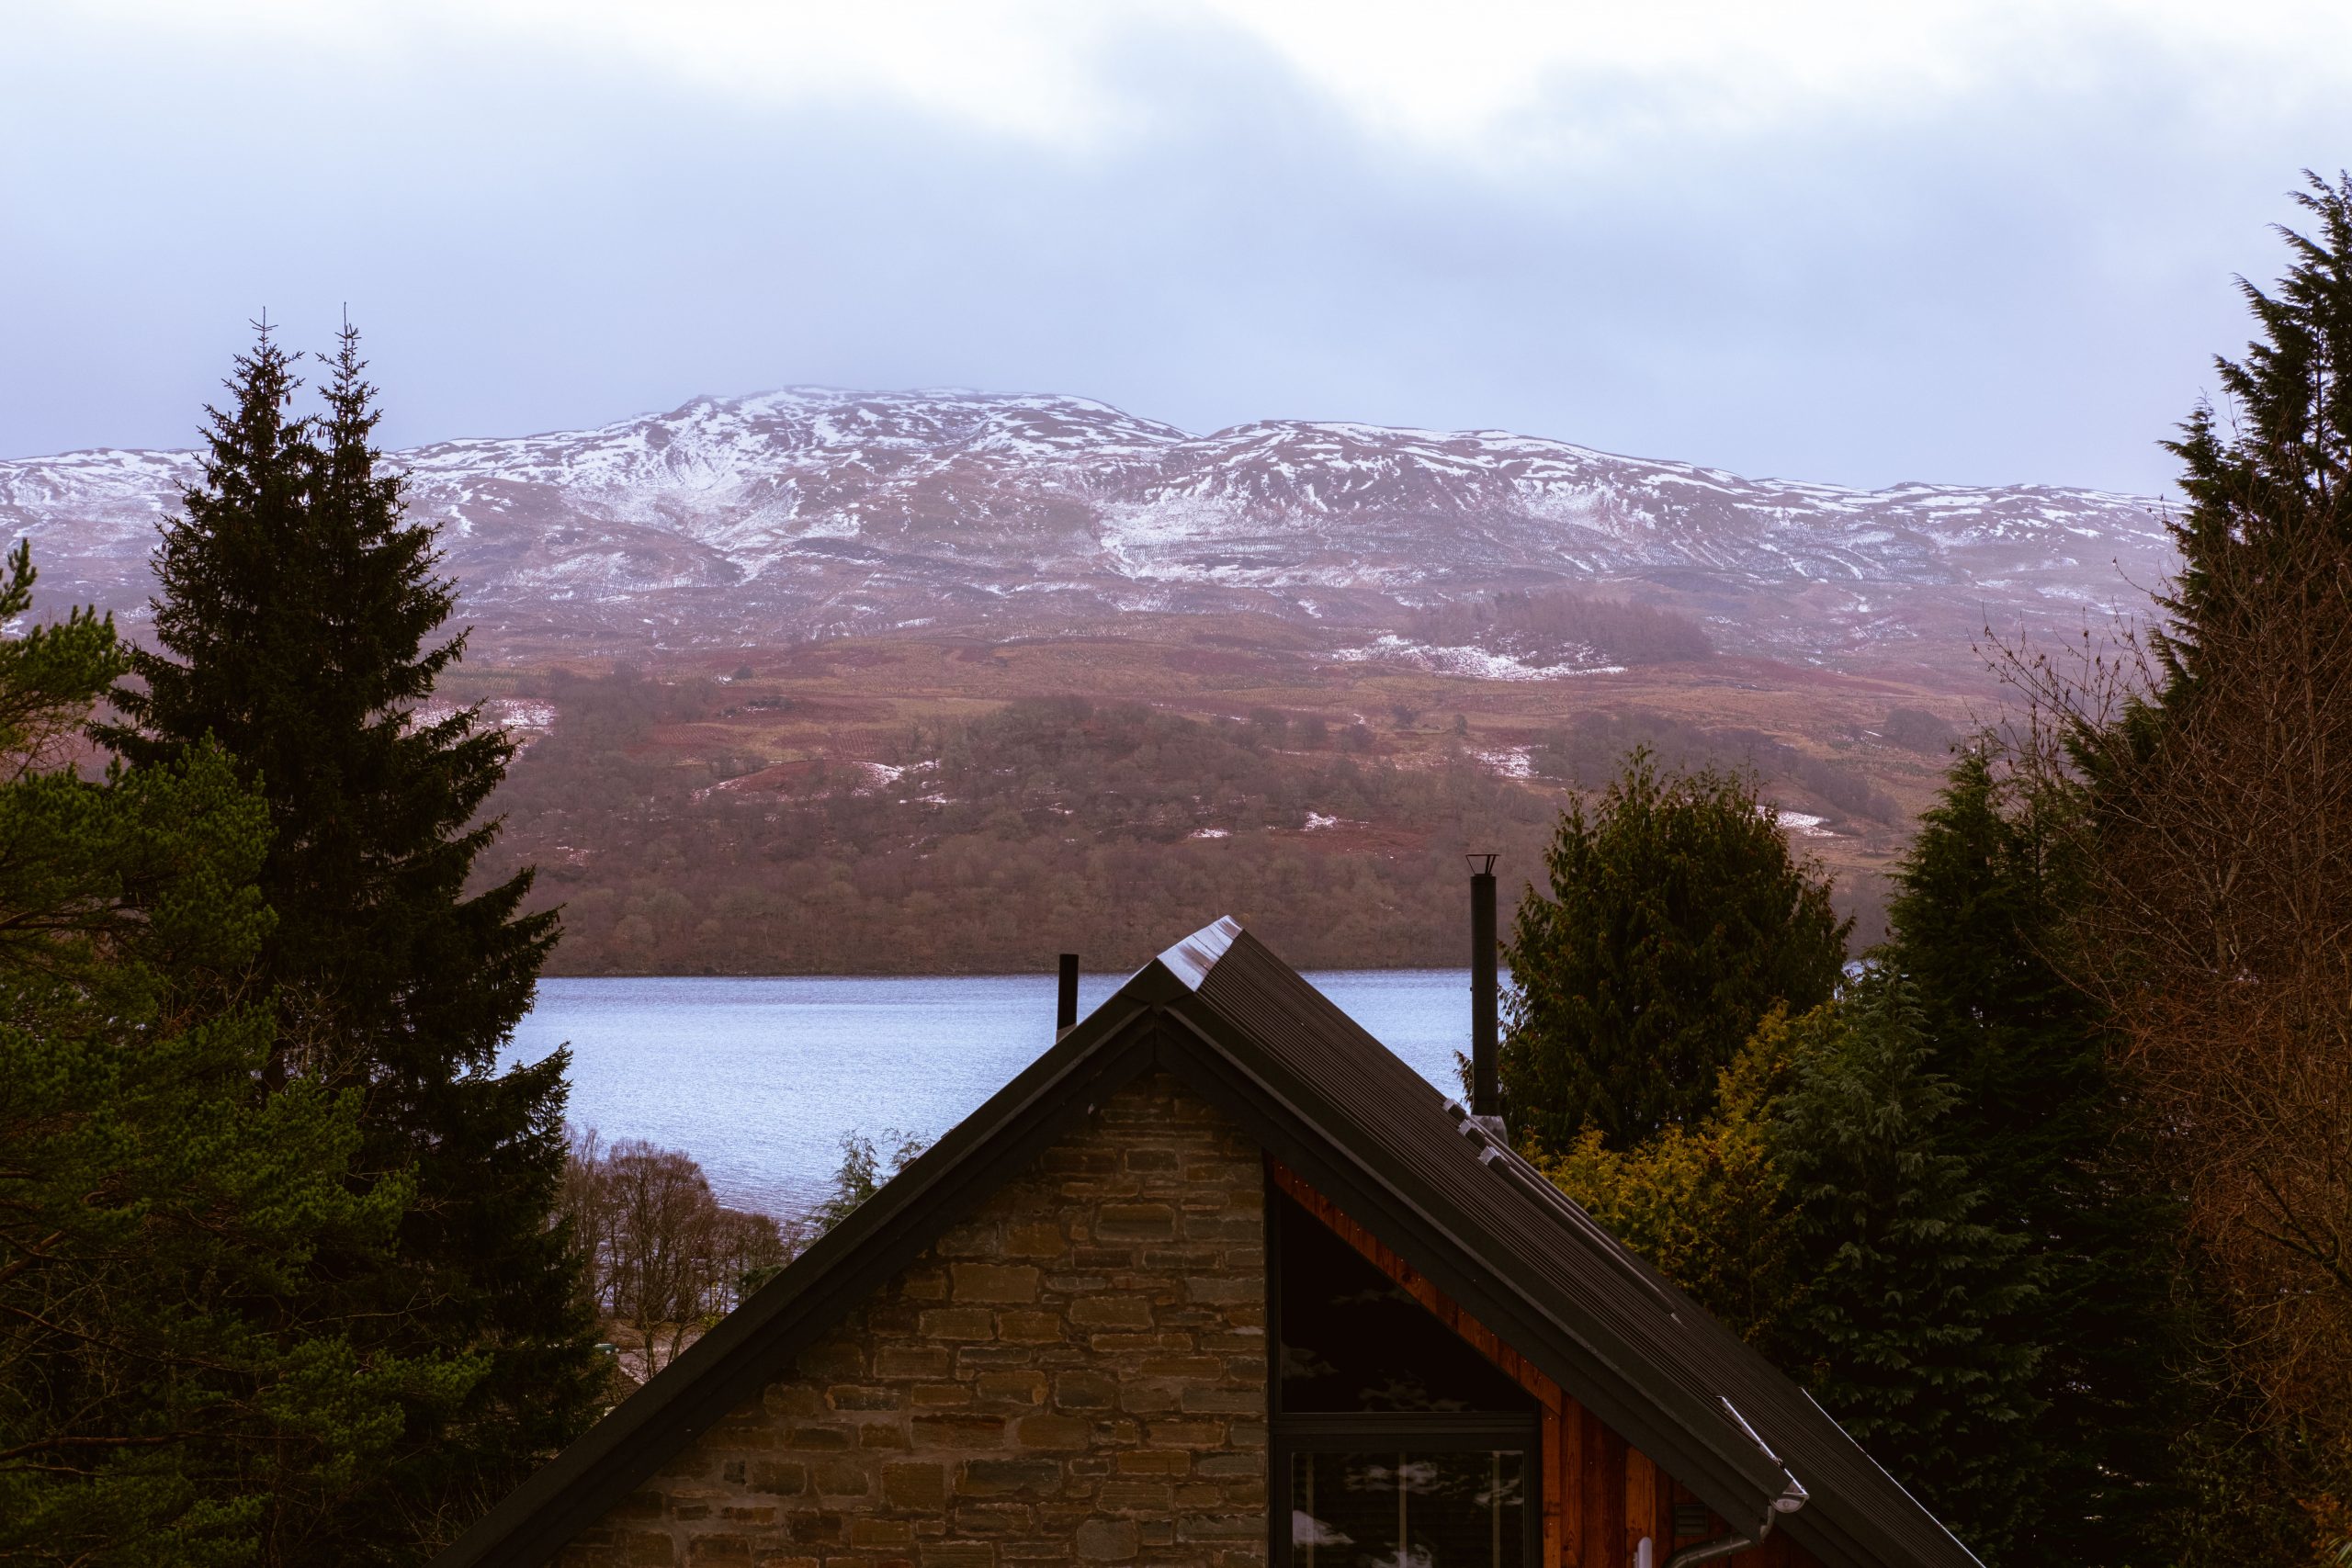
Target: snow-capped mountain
[810, 511]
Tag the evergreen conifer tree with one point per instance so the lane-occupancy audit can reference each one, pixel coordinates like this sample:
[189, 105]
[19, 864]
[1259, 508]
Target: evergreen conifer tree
[1676, 920]
[175, 1384]
[296, 619]
[2046, 1121]
[2282, 466]
[1912, 1329]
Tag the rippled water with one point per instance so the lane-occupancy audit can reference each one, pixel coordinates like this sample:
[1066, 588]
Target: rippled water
[759, 1079]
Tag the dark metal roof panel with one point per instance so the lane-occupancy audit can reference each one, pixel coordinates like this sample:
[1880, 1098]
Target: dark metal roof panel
[1646, 1357]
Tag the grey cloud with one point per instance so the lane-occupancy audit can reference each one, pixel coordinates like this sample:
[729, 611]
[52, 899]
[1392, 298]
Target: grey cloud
[2023, 284]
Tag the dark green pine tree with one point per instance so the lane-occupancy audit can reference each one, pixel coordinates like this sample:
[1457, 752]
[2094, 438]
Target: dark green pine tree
[297, 618]
[2046, 1122]
[1915, 1330]
[2283, 465]
[1676, 920]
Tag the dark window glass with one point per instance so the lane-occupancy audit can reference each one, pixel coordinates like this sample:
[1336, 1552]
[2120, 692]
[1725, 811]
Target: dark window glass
[1352, 1340]
[1366, 1509]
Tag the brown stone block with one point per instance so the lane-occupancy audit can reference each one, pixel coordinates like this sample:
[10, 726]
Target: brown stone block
[1231, 1465]
[1139, 1396]
[1030, 1327]
[868, 1531]
[720, 1552]
[910, 1485]
[1186, 1434]
[779, 1479]
[1034, 1238]
[994, 1281]
[1184, 1259]
[842, 1478]
[644, 1548]
[1202, 1401]
[1134, 1494]
[938, 1395]
[1196, 1368]
[1121, 1344]
[1076, 1284]
[958, 1554]
[1085, 1391]
[1101, 1258]
[1023, 1387]
[820, 1438]
[998, 1518]
[638, 1505]
[1053, 1432]
[973, 1238]
[923, 1285]
[1216, 1290]
[863, 1396]
[1157, 1462]
[929, 1361]
[959, 1431]
[1111, 1312]
[958, 1323]
[973, 1360]
[1106, 1540]
[1007, 1477]
[1135, 1221]
[815, 1528]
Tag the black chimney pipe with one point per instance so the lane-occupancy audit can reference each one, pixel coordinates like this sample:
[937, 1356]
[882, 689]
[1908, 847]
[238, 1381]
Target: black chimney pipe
[1065, 1007]
[1486, 1096]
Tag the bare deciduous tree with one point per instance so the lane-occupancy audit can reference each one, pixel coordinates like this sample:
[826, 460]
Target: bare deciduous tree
[662, 1259]
[2217, 929]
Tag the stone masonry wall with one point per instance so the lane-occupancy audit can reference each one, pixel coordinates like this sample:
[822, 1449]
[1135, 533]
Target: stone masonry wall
[1076, 1375]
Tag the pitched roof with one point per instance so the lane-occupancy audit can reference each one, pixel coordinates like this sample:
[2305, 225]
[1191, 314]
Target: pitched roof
[1248, 1034]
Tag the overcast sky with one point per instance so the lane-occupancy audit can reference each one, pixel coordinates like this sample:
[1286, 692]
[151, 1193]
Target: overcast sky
[1862, 244]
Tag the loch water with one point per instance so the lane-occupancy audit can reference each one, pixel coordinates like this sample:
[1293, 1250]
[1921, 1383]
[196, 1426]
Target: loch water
[759, 1079]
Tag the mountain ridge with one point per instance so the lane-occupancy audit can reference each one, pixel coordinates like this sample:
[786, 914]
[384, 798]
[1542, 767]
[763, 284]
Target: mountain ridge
[810, 511]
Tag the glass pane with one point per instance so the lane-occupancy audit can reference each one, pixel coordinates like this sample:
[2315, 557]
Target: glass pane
[1352, 1340]
[1443, 1509]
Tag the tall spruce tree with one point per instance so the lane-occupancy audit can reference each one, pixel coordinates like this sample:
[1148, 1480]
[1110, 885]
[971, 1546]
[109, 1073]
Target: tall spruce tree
[1913, 1328]
[2281, 465]
[1676, 920]
[2046, 1119]
[176, 1385]
[296, 621]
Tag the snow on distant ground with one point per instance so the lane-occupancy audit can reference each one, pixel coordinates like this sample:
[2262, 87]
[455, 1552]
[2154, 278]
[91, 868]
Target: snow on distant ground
[1511, 762]
[1803, 824]
[1465, 661]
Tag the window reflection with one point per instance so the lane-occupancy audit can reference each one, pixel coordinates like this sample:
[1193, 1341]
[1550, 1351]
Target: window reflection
[1409, 1509]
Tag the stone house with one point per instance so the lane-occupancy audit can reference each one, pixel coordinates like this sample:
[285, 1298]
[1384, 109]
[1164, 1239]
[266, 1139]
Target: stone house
[1216, 1281]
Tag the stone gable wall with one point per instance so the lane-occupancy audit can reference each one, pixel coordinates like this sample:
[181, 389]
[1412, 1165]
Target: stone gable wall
[1076, 1375]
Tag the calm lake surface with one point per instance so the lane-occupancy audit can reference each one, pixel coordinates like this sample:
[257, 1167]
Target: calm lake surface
[759, 1079]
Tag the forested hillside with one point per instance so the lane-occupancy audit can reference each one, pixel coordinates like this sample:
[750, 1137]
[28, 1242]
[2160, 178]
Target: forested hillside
[691, 824]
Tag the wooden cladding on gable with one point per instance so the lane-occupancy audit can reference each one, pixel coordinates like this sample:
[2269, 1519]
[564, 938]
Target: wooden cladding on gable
[1602, 1497]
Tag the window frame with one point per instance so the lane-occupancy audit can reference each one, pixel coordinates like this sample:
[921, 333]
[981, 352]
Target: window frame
[1452, 1431]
